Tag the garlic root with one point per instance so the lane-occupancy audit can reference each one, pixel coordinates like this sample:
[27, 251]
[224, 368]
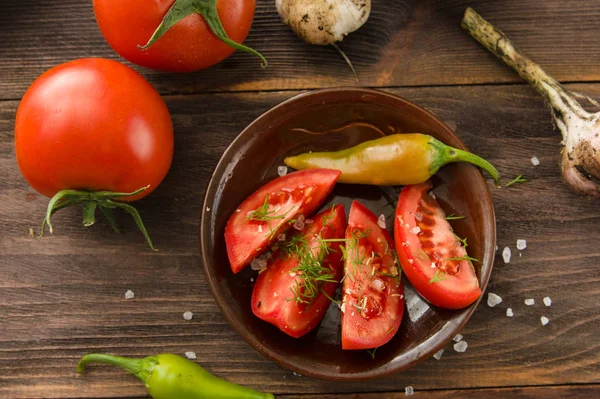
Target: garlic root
[580, 155]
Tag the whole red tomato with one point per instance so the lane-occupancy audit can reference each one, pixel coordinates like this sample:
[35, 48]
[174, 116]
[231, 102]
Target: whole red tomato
[97, 126]
[93, 124]
[188, 46]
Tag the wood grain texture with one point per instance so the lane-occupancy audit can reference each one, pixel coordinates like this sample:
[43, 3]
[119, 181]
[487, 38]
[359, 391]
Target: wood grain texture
[579, 392]
[404, 43]
[63, 296]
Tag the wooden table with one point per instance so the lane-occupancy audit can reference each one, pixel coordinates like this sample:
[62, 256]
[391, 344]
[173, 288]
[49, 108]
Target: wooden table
[63, 296]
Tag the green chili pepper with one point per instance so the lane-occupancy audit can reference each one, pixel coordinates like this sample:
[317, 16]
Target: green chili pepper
[170, 376]
[398, 159]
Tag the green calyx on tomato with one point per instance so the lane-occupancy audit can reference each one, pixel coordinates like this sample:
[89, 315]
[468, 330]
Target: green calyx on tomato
[92, 200]
[208, 10]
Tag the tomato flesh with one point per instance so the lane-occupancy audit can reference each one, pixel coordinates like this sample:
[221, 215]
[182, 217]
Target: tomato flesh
[275, 296]
[432, 256]
[373, 292]
[93, 124]
[268, 212]
[188, 46]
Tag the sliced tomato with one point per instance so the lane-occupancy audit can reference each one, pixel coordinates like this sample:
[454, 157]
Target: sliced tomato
[255, 224]
[289, 293]
[432, 256]
[373, 292]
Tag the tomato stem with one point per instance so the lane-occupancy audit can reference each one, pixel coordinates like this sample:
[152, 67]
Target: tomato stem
[89, 211]
[208, 9]
[91, 200]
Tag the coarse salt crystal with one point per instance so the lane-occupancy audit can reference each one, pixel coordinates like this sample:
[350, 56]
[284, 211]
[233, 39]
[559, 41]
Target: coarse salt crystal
[461, 346]
[381, 221]
[281, 237]
[129, 294]
[521, 244]
[282, 170]
[493, 299]
[188, 315]
[509, 312]
[292, 274]
[496, 247]
[297, 375]
[506, 254]
[377, 284]
[457, 338]
[260, 228]
[418, 216]
[258, 264]
[343, 308]
[535, 161]
[298, 224]
[415, 230]
[544, 320]
[190, 355]
[408, 391]
[438, 355]
[207, 209]
[547, 301]
[529, 301]
[433, 265]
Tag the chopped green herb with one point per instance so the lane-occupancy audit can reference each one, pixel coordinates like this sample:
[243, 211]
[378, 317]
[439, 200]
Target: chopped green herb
[263, 213]
[452, 216]
[466, 257]
[372, 352]
[518, 179]
[312, 275]
[438, 276]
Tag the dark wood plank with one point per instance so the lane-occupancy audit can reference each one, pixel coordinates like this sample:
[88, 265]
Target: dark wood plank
[62, 296]
[404, 43]
[580, 392]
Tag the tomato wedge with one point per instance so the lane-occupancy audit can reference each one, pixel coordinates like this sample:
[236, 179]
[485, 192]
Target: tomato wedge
[373, 292]
[255, 224]
[432, 256]
[288, 294]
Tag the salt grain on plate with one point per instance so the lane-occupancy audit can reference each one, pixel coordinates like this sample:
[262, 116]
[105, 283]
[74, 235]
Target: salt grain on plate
[188, 315]
[282, 170]
[521, 244]
[493, 300]
[461, 346]
[506, 254]
[408, 391]
[529, 301]
[258, 263]
[415, 230]
[438, 355]
[381, 221]
[544, 320]
[535, 161]
[509, 312]
[129, 294]
[457, 338]
[547, 301]
[190, 355]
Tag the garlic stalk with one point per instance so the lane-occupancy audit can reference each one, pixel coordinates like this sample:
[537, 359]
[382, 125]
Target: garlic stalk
[580, 155]
[323, 22]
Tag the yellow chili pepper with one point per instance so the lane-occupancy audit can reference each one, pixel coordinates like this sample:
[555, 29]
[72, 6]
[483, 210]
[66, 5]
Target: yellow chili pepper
[398, 159]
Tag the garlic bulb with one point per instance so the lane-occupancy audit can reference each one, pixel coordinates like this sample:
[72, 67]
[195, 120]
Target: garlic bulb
[580, 155]
[323, 22]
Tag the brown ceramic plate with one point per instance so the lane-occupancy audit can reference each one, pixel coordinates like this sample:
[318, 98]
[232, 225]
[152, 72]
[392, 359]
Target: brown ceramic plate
[332, 120]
